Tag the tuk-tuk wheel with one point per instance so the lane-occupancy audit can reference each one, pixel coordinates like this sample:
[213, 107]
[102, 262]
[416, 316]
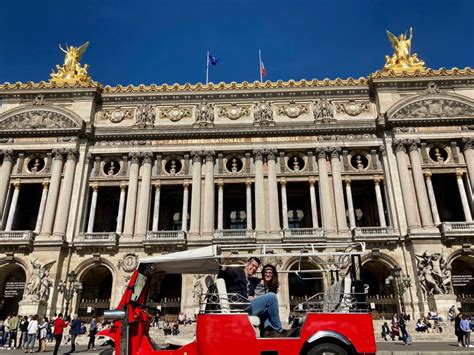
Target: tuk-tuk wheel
[328, 348]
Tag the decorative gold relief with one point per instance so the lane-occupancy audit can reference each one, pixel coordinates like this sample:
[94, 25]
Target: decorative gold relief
[233, 111]
[72, 71]
[175, 113]
[402, 60]
[292, 110]
[352, 107]
[116, 115]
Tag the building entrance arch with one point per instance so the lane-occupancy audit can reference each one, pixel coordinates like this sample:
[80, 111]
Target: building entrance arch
[462, 271]
[382, 297]
[12, 286]
[302, 286]
[165, 293]
[96, 292]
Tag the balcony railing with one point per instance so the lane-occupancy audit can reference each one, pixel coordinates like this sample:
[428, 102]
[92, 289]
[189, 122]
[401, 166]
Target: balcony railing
[457, 229]
[304, 234]
[373, 233]
[234, 233]
[17, 238]
[153, 239]
[106, 240]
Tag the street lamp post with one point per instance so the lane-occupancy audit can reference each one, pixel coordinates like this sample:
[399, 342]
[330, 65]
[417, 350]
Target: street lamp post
[400, 284]
[68, 288]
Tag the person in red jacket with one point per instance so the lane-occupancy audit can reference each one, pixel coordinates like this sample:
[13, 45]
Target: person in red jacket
[59, 325]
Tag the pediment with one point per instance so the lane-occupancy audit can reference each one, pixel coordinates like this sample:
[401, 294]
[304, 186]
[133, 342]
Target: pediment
[40, 119]
[432, 107]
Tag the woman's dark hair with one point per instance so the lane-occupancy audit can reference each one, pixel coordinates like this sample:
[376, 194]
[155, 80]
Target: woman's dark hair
[273, 284]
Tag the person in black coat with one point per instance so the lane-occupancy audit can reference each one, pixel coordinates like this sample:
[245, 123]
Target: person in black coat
[75, 330]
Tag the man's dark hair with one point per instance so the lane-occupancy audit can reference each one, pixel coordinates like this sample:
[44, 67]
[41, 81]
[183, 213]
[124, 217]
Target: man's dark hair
[254, 258]
[60, 315]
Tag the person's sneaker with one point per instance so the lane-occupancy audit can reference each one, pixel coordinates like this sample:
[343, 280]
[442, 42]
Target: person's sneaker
[272, 333]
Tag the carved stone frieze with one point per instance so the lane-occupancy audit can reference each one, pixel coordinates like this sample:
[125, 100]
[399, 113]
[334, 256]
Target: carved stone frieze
[323, 110]
[352, 107]
[117, 114]
[233, 111]
[38, 119]
[292, 110]
[435, 108]
[175, 113]
[145, 115]
[263, 115]
[204, 115]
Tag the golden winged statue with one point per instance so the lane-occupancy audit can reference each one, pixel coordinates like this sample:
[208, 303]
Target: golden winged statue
[402, 60]
[72, 71]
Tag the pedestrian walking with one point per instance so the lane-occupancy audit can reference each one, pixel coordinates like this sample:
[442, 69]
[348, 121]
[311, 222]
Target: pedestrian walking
[14, 324]
[43, 331]
[457, 329]
[6, 333]
[92, 332]
[74, 332]
[32, 333]
[59, 325]
[24, 332]
[466, 329]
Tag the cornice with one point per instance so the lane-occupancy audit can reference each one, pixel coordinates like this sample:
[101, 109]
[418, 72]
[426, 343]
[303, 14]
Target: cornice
[427, 73]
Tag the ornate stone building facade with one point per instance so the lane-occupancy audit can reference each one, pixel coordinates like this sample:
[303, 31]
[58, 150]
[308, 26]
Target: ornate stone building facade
[96, 177]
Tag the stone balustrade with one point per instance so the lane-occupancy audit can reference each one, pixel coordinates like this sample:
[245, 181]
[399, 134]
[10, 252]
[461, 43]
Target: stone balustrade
[173, 237]
[462, 229]
[304, 234]
[107, 240]
[17, 238]
[362, 234]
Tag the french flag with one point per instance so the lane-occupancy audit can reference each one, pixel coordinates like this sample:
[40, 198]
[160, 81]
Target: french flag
[263, 71]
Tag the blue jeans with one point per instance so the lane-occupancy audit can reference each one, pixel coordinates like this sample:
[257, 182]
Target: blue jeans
[267, 305]
[30, 343]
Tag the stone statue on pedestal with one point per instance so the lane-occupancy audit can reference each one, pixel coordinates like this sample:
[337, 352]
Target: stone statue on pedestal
[434, 274]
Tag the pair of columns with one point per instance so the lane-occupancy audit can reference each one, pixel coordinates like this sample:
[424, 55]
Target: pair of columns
[422, 210]
[314, 207]
[220, 204]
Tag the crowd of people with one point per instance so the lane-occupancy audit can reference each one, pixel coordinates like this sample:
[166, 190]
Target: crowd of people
[433, 322]
[24, 332]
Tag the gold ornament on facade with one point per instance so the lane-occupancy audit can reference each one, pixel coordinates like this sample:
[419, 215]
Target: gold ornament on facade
[72, 72]
[402, 61]
[292, 110]
[175, 113]
[352, 107]
[233, 111]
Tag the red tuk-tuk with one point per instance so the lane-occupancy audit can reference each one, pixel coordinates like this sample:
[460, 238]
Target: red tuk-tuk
[334, 322]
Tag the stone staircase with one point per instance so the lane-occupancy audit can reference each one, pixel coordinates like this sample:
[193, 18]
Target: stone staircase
[447, 335]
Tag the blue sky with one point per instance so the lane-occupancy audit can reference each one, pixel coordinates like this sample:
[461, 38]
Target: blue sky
[165, 41]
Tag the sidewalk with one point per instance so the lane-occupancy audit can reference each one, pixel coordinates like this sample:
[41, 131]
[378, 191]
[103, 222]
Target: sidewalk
[421, 348]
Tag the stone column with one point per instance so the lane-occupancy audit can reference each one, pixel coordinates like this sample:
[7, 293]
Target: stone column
[314, 205]
[350, 204]
[284, 204]
[273, 210]
[259, 192]
[469, 159]
[5, 179]
[90, 224]
[462, 192]
[338, 193]
[248, 198]
[123, 191]
[208, 206]
[408, 192]
[220, 205]
[64, 201]
[156, 207]
[50, 209]
[11, 212]
[196, 194]
[143, 209]
[380, 207]
[128, 228]
[326, 204]
[431, 195]
[44, 196]
[184, 219]
[420, 187]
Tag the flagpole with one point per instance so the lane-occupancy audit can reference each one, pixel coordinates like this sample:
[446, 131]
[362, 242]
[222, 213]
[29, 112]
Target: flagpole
[260, 64]
[207, 68]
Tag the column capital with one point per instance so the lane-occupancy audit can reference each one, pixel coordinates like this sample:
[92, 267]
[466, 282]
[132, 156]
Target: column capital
[209, 155]
[45, 184]
[123, 186]
[220, 183]
[258, 154]
[248, 182]
[17, 184]
[197, 156]
[312, 181]
[413, 145]
[272, 154]
[467, 143]
[348, 180]
[321, 152]
[57, 154]
[157, 185]
[71, 154]
[399, 146]
[335, 151]
[147, 157]
[428, 174]
[377, 180]
[8, 154]
[134, 157]
[186, 184]
[283, 182]
[459, 173]
[95, 187]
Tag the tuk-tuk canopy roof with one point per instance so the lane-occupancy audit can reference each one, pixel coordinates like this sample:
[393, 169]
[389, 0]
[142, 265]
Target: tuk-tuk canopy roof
[206, 260]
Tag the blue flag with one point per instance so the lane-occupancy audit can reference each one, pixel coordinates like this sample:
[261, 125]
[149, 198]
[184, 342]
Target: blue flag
[211, 60]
